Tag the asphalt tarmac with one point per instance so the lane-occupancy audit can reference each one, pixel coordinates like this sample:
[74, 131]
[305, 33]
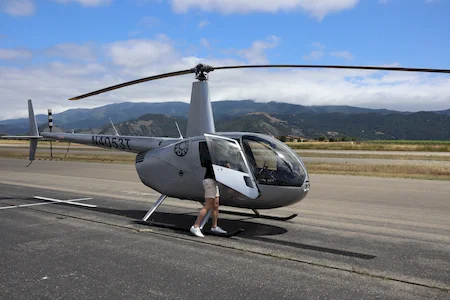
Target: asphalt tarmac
[354, 238]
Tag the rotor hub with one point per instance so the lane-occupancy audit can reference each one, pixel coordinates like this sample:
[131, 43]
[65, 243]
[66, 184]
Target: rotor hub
[201, 71]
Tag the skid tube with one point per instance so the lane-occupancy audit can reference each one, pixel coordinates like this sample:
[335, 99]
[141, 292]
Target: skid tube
[258, 215]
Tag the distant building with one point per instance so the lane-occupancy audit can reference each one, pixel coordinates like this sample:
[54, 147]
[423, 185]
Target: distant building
[332, 133]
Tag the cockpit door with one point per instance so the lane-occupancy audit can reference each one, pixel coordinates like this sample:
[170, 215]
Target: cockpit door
[230, 165]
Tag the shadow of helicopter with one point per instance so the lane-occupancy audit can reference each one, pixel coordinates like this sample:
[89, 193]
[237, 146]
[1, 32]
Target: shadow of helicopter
[183, 221]
[252, 231]
[16, 198]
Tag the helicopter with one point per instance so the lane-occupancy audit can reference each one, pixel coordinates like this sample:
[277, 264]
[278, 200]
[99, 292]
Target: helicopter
[254, 171]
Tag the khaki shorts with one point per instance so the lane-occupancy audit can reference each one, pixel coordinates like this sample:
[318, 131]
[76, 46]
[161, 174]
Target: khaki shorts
[211, 188]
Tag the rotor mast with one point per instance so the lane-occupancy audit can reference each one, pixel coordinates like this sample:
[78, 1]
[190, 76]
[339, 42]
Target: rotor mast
[200, 118]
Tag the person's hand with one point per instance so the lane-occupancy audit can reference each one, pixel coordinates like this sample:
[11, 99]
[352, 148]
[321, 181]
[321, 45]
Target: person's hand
[228, 165]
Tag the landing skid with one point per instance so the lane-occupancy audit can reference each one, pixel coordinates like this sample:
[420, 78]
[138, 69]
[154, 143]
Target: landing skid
[258, 215]
[184, 229]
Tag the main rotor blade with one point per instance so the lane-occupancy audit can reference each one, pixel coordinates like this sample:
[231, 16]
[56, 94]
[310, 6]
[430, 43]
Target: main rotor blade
[337, 67]
[202, 68]
[118, 86]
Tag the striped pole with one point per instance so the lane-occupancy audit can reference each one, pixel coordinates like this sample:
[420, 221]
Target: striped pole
[50, 119]
[50, 125]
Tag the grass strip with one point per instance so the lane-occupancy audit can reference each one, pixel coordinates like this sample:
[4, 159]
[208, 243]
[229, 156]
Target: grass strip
[421, 142]
[375, 156]
[371, 146]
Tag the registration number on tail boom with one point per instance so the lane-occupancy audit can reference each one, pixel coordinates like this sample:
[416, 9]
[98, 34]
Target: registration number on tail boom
[111, 142]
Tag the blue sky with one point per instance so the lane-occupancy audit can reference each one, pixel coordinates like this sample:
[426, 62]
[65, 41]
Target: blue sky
[56, 49]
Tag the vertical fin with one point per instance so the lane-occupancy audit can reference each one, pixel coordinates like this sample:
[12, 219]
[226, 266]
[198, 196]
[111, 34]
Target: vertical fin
[32, 120]
[33, 147]
[34, 132]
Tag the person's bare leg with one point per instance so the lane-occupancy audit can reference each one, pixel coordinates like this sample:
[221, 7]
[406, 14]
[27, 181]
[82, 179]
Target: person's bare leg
[215, 212]
[208, 204]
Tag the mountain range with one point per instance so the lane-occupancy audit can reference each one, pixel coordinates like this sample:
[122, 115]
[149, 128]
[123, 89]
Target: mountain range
[275, 118]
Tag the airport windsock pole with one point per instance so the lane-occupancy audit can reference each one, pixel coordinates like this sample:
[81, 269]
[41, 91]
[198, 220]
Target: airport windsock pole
[50, 125]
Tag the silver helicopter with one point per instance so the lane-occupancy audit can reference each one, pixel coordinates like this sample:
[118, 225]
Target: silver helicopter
[254, 171]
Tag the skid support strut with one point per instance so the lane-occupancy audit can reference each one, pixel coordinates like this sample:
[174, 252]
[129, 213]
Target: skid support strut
[256, 213]
[154, 207]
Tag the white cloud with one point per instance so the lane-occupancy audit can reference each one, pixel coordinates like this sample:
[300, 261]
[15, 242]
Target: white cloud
[256, 53]
[28, 7]
[71, 69]
[318, 45]
[342, 54]
[73, 51]
[316, 54]
[87, 2]
[317, 9]
[139, 53]
[53, 83]
[18, 7]
[202, 23]
[8, 54]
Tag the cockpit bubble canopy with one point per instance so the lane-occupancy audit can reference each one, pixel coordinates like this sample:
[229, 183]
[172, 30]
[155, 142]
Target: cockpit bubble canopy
[273, 162]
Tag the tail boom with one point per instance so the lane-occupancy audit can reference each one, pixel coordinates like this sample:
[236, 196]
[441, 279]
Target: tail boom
[133, 144]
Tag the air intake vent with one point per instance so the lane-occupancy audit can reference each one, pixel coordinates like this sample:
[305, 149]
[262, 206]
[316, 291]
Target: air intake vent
[140, 157]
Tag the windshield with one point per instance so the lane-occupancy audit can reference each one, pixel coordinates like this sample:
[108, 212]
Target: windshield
[272, 162]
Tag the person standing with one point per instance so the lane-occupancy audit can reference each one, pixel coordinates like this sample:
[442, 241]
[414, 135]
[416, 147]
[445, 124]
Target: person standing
[211, 202]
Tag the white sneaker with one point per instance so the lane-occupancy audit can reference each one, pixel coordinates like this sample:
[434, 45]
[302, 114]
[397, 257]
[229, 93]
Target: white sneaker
[196, 231]
[218, 230]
